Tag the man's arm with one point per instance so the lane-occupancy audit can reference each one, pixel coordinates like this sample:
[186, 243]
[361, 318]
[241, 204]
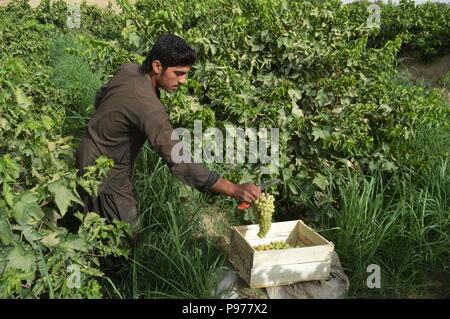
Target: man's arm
[158, 130]
[247, 192]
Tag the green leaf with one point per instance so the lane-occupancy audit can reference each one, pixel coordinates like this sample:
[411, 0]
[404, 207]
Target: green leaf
[320, 134]
[27, 210]
[322, 98]
[9, 197]
[21, 258]
[389, 166]
[77, 243]
[185, 191]
[22, 100]
[293, 188]
[5, 232]
[321, 181]
[135, 39]
[295, 96]
[30, 234]
[63, 196]
[51, 240]
[296, 111]
[386, 108]
[91, 218]
[213, 49]
[249, 215]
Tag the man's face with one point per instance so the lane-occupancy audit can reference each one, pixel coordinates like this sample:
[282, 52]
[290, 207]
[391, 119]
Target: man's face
[172, 77]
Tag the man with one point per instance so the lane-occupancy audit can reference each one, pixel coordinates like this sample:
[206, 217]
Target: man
[127, 113]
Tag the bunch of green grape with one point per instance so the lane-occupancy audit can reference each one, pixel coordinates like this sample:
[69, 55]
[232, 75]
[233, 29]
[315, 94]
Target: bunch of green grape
[265, 208]
[275, 245]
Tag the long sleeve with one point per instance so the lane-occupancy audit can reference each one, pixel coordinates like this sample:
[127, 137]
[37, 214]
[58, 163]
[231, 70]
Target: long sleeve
[99, 95]
[158, 130]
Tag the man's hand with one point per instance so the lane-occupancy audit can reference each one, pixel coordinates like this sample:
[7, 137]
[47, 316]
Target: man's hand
[247, 192]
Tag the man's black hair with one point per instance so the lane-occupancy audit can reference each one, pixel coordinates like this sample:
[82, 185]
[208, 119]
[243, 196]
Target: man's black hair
[170, 50]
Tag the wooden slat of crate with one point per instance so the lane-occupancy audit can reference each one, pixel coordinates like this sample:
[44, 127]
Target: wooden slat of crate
[250, 232]
[309, 237]
[289, 274]
[241, 255]
[282, 230]
[290, 256]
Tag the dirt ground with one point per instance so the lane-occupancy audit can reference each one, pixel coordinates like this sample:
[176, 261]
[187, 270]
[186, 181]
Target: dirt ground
[431, 72]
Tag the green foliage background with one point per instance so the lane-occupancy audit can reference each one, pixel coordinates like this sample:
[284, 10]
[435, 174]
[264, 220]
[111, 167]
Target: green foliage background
[311, 68]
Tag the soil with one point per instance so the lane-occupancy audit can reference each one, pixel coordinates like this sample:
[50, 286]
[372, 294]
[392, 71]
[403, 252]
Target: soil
[428, 73]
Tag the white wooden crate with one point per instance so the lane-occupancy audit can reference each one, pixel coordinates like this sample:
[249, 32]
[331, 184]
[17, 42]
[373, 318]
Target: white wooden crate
[311, 261]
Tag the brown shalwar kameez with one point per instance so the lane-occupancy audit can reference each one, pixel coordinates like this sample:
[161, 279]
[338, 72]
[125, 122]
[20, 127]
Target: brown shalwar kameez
[128, 112]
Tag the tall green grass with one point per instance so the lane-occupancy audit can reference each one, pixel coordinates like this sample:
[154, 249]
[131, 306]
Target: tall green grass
[401, 224]
[173, 260]
[73, 76]
[401, 221]
[445, 81]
